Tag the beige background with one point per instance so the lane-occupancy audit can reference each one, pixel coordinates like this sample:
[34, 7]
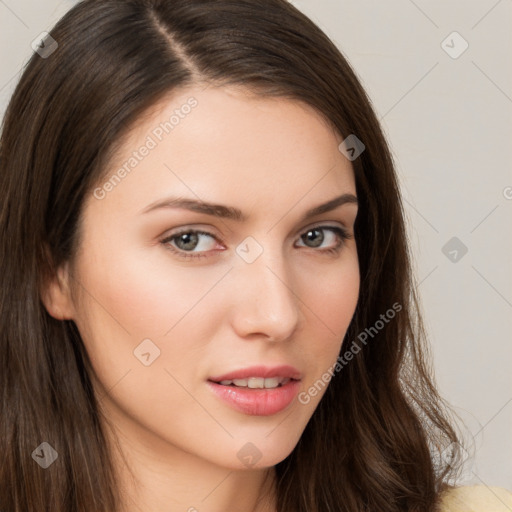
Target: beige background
[448, 119]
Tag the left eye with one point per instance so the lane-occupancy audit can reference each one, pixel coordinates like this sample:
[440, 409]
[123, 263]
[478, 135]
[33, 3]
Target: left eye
[316, 237]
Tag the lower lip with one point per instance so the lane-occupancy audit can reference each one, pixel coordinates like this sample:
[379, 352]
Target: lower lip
[257, 402]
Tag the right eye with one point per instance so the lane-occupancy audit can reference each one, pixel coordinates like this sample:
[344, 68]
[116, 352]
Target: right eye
[190, 243]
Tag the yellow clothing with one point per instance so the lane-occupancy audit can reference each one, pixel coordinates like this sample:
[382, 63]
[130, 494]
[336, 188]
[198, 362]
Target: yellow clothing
[476, 498]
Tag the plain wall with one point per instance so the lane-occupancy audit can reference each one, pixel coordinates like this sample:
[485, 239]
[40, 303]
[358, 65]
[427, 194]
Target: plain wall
[448, 119]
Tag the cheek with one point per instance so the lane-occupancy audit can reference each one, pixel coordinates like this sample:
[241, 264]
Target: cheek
[146, 295]
[331, 295]
[331, 298]
[337, 299]
[138, 306]
[138, 297]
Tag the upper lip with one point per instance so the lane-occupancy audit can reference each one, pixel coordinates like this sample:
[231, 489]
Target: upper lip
[266, 372]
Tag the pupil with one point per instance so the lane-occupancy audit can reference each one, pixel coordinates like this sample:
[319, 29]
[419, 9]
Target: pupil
[315, 236]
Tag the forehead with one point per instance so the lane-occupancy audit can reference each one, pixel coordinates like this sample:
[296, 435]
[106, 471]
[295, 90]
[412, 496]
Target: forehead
[229, 145]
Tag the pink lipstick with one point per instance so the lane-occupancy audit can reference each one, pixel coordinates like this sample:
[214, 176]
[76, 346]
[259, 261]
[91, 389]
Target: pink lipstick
[258, 390]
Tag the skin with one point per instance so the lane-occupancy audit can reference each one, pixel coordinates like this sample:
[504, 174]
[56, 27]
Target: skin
[273, 159]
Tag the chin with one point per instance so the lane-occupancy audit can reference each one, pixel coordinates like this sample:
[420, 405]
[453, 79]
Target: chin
[266, 450]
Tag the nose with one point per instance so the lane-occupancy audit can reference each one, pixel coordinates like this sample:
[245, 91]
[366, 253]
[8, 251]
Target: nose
[264, 302]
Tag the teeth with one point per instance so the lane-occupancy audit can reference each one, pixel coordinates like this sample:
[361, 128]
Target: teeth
[256, 382]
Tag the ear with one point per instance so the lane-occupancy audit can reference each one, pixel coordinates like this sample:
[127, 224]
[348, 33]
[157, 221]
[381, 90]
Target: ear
[56, 295]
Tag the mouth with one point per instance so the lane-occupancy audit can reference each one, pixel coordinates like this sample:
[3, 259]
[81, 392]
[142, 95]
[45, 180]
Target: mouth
[258, 391]
[256, 382]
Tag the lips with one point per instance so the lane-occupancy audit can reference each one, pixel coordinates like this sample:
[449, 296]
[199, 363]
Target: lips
[258, 390]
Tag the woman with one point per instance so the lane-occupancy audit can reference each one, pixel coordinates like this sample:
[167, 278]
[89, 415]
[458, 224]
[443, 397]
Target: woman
[207, 301]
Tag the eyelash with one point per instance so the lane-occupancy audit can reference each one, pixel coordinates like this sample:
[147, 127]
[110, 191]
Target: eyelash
[342, 233]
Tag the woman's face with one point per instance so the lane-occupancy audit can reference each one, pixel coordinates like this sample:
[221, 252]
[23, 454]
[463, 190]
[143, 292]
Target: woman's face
[175, 295]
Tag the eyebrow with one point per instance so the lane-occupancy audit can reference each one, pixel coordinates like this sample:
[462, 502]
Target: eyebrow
[232, 213]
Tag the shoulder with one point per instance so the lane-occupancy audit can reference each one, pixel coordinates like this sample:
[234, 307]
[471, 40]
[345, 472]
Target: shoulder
[476, 498]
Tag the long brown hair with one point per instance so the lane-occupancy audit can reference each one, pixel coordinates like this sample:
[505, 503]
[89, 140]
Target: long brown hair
[374, 442]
